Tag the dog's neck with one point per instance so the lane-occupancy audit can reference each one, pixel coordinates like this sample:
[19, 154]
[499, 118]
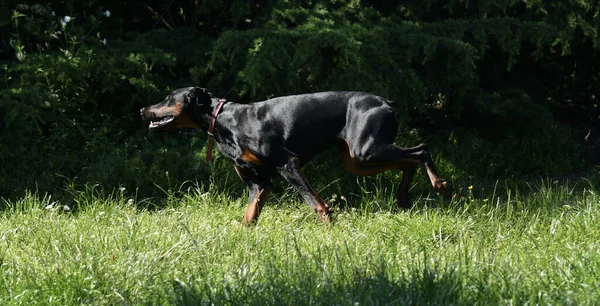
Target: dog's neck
[211, 129]
[221, 129]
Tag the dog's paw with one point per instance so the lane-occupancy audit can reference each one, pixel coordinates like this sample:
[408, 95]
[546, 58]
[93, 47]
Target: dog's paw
[444, 188]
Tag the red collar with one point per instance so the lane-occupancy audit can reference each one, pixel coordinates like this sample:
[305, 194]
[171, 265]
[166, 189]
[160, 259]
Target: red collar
[211, 129]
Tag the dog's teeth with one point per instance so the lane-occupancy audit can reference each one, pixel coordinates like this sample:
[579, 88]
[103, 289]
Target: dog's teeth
[161, 121]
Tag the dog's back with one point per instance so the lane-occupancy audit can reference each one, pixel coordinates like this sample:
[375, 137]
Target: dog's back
[318, 118]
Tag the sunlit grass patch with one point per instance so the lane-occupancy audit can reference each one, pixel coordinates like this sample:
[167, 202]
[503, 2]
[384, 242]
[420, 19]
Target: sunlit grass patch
[535, 246]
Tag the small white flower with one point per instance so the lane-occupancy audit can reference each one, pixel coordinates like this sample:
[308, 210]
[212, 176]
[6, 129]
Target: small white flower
[67, 19]
[66, 208]
[53, 13]
[104, 41]
[63, 23]
[107, 13]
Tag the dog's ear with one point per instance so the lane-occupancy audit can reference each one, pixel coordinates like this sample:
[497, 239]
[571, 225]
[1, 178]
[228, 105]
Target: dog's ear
[200, 96]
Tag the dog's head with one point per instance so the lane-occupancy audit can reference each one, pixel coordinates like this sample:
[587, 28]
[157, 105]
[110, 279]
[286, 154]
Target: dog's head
[177, 110]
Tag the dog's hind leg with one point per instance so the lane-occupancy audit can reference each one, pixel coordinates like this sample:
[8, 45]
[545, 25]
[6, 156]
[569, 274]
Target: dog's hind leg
[383, 157]
[408, 171]
[402, 196]
[416, 155]
[291, 172]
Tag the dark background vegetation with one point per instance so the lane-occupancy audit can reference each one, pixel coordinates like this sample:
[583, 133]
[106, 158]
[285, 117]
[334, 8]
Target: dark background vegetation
[500, 90]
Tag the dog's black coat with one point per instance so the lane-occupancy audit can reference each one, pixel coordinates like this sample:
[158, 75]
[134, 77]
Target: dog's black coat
[279, 135]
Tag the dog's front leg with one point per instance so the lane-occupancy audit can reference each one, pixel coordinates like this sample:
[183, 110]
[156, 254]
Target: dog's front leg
[292, 173]
[258, 189]
[256, 198]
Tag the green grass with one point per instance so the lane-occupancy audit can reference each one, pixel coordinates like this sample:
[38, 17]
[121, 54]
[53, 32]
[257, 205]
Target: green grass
[535, 247]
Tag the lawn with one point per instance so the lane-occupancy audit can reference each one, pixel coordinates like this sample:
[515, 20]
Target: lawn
[535, 246]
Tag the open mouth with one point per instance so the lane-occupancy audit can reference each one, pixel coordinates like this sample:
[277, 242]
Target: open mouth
[162, 121]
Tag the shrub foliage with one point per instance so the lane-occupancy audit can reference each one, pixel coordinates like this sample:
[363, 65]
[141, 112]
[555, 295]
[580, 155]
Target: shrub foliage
[493, 85]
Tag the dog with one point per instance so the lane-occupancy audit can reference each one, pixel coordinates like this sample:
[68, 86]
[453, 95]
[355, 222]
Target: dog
[280, 135]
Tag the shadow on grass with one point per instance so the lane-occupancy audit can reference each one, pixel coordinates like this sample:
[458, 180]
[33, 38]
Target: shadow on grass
[426, 286]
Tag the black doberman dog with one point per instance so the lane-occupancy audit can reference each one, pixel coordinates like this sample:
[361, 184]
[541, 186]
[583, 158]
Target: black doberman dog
[280, 135]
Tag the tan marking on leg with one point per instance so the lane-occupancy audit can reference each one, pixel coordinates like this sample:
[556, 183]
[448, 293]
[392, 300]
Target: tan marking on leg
[324, 212]
[348, 158]
[364, 169]
[359, 168]
[440, 185]
[254, 207]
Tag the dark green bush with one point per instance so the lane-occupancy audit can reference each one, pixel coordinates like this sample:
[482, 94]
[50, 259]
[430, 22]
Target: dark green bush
[483, 83]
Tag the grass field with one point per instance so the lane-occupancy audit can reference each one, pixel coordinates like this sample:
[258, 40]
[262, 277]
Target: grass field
[538, 246]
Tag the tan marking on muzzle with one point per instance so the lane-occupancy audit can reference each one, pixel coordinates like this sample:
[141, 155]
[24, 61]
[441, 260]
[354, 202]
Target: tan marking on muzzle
[184, 121]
